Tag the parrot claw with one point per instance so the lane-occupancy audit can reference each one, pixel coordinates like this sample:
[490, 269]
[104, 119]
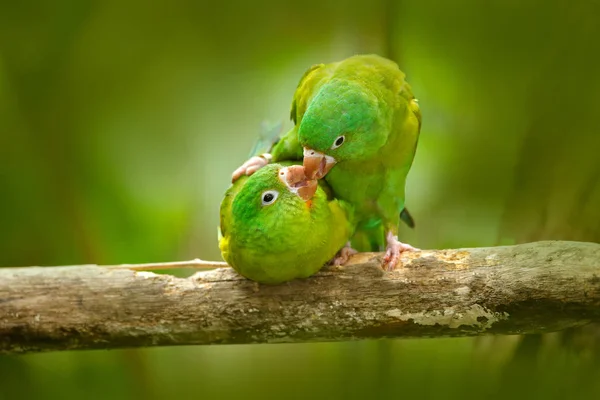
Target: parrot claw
[394, 249]
[251, 166]
[343, 255]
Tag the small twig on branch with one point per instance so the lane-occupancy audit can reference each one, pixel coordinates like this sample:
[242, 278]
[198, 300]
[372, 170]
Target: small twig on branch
[530, 288]
[195, 264]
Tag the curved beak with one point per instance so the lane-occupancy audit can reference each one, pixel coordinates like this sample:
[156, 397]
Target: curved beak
[316, 164]
[297, 182]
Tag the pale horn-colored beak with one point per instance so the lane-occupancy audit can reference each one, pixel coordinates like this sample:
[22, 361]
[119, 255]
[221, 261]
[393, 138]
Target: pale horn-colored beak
[297, 182]
[316, 164]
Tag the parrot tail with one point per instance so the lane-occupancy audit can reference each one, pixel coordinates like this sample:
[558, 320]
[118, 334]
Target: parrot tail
[268, 136]
[407, 218]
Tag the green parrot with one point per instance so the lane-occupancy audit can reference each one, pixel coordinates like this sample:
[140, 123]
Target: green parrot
[357, 125]
[277, 225]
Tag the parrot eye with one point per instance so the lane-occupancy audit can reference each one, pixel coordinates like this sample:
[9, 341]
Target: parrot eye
[338, 142]
[269, 197]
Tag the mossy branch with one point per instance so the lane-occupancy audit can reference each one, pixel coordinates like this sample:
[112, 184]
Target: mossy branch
[528, 288]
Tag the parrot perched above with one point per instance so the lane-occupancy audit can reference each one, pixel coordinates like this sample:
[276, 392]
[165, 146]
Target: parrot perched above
[357, 125]
[277, 225]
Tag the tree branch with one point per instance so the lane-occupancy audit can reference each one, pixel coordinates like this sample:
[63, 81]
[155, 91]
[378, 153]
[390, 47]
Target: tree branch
[529, 288]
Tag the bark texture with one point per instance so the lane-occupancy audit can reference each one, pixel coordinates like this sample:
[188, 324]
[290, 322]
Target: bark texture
[529, 288]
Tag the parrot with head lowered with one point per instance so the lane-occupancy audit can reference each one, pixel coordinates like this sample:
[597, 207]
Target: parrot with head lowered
[357, 125]
[277, 225]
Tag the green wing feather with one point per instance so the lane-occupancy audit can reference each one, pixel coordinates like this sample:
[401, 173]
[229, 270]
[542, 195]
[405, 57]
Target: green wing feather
[303, 91]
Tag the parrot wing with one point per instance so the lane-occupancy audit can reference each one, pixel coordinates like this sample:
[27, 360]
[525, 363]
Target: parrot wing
[413, 106]
[304, 91]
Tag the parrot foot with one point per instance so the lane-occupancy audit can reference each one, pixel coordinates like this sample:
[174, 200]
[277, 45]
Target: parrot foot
[343, 255]
[394, 249]
[251, 166]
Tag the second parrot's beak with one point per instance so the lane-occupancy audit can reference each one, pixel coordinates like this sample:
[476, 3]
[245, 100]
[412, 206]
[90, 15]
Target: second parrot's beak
[295, 179]
[316, 164]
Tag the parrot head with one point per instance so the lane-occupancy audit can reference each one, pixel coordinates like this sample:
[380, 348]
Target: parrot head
[270, 196]
[344, 121]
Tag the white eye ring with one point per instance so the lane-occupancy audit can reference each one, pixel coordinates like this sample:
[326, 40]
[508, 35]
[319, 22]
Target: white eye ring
[339, 139]
[268, 197]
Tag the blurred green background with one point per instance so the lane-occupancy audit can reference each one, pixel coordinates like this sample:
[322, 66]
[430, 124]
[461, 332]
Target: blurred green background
[121, 122]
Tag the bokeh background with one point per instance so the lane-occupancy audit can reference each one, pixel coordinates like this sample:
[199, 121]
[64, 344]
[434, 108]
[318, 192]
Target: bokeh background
[121, 122]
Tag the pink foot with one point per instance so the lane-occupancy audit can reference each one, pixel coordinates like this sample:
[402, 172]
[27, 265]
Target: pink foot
[343, 255]
[394, 249]
[251, 166]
